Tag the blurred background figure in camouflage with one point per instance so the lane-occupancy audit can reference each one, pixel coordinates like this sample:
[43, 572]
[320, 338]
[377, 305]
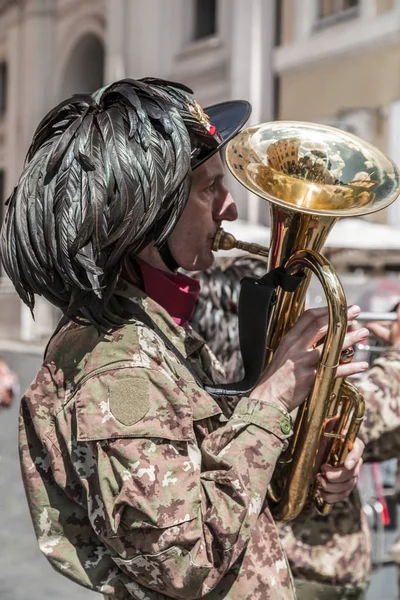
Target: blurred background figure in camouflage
[330, 557]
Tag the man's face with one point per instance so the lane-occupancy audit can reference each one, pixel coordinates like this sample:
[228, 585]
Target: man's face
[209, 203]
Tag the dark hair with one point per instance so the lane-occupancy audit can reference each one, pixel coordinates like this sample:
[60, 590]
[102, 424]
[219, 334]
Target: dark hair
[106, 174]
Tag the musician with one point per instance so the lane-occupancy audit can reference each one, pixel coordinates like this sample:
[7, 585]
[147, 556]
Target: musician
[140, 484]
[330, 555]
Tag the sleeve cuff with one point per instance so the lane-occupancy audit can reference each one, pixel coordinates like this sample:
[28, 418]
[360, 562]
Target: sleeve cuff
[266, 415]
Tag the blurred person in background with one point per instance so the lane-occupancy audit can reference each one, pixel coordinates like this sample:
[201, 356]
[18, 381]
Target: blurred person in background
[381, 428]
[9, 387]
[329, 555]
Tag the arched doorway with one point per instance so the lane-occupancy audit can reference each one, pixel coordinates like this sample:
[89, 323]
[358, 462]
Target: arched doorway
[85, 68]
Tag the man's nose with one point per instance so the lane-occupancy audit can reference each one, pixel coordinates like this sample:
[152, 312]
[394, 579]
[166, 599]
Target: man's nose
[227, 210]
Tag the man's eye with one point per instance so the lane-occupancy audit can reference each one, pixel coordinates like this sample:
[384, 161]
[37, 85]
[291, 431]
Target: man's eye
[211, 188]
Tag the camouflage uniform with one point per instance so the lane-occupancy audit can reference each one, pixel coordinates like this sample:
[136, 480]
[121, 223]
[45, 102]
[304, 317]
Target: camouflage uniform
[142, 486]
[381, 389]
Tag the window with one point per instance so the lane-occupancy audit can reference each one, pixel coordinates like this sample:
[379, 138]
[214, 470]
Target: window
[3, 87]
[205, 19]
[330, 11]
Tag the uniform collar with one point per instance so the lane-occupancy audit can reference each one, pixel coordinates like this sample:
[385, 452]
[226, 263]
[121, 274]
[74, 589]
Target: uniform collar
[185, 339]
[175, 292]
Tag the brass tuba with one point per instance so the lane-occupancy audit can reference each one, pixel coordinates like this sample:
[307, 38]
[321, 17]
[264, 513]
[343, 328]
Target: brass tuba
[311, 175]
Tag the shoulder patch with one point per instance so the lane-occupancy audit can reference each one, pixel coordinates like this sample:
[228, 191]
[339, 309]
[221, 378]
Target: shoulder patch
[127, 408]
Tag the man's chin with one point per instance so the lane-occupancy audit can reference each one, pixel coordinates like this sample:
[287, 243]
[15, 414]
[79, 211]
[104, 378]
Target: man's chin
[207, 261]
[201, 264]
[211, 261]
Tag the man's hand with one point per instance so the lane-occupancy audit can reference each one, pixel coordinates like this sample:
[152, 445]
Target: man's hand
[337, 483]
[291, 374]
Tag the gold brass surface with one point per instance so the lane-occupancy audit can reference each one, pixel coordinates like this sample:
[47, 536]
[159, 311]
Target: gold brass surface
[311, 175]
[313, 168]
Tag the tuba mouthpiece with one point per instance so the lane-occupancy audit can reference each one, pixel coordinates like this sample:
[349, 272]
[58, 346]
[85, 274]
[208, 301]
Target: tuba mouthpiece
[226, 241]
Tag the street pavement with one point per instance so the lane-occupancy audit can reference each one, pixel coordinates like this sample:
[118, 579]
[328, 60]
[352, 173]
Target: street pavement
[24, 572]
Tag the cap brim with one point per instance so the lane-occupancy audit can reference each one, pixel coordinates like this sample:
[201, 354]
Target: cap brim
[228, 118]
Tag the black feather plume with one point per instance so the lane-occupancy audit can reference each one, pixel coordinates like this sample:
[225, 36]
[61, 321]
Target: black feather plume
[105, 175]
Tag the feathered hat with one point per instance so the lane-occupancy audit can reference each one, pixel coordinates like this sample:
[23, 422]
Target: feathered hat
[106, 174]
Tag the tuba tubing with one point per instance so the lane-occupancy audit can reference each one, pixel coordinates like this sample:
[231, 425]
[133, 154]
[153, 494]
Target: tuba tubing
[312, 417]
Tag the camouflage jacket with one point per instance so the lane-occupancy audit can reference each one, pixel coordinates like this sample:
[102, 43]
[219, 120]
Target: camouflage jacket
[381, 390]
[336, 549]
[140, 485]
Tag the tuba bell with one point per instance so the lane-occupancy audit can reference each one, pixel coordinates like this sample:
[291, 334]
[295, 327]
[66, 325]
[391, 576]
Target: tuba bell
[311, 175]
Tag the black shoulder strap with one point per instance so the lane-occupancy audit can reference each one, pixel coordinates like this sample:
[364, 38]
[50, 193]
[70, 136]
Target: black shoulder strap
[257, 297]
